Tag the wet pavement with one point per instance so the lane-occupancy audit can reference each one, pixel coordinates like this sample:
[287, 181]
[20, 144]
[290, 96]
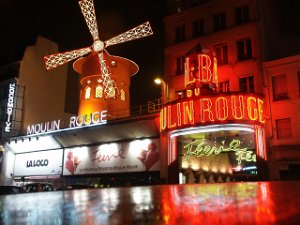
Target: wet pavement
[227, 203]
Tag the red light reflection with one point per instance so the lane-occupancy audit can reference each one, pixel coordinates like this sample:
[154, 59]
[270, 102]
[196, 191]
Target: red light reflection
[219, 203]
[234, 203]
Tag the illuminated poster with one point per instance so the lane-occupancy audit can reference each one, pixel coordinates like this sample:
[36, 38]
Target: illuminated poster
[135, 156]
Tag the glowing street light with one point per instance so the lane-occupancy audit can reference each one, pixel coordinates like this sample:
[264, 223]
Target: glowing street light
[164, 89]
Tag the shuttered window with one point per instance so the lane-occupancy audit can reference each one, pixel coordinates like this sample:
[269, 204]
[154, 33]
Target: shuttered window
[284, 128]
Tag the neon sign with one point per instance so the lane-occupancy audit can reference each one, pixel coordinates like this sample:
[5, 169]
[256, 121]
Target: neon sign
[94, 118]
[212, 109]
[43, 127]
[10, 106]
[199, 148]
[200, 68]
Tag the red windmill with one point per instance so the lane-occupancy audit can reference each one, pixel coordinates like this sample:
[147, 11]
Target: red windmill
[97, 56]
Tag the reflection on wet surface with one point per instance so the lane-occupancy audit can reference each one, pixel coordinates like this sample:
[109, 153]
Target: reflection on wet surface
[227, 203]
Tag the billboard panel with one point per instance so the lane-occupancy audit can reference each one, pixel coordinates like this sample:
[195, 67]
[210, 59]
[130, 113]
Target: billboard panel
[135, 156]
[39, 163]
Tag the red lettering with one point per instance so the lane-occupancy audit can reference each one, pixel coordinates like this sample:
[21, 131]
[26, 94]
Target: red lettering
[198, 68]
[204, 68]
[178, 114]
[221, 108]
[212, 109]
[260, 104]
[189, 93]
[252, 109]
[171, 124]
[197, 91]
[205, 107]
[237, 110]
[163, 119]
[188, 112]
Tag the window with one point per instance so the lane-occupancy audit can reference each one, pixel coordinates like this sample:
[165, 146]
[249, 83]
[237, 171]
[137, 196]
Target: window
[247, 84]
[180, 34]
[242, 14]
[279, 87]
[198, 28]
[284, 128]
[224, 86]
[222, 54]
[219, 21]
[99, 92]
[180, 65]
[87, 94]
[244, 49]
[123, 96]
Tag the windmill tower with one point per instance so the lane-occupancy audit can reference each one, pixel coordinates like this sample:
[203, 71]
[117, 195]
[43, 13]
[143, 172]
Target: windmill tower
[104, 78]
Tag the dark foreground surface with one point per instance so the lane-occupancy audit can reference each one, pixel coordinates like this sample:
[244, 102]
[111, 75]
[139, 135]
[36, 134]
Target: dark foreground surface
[228, 203]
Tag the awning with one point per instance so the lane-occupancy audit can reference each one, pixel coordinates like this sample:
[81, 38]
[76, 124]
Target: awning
[113, 131]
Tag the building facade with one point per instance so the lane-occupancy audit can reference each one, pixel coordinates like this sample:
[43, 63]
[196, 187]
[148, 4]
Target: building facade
[283, 78]
[26, 94]
[28, 90]
[242, 34]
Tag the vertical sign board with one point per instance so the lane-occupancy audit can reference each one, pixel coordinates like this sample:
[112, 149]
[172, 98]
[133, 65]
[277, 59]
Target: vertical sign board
[9, 108]
[39, 163]
[1, 160]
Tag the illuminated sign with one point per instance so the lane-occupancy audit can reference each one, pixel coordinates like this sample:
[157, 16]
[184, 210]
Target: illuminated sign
[200, 68]
[39, 163]
[215, 109]
[135, 156]
[10, 106]
[43, 127]
[95, 118]
[200, 148]
[92, 118]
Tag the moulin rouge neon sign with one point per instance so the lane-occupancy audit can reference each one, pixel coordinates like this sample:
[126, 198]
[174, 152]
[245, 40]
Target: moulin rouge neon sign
[215, 109]
[95, 118]
[200, 148]
[200, 69]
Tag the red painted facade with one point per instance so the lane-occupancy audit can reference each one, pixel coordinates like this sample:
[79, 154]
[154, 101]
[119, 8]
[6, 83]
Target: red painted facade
[234, 31]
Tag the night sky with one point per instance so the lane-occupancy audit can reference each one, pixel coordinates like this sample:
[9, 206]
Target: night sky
[61, 21]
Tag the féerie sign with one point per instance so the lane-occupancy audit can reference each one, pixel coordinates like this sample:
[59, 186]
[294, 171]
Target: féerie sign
[200, 148]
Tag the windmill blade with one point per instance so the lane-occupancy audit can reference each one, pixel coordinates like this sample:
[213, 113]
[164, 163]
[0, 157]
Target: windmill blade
[58, 59]
[88, 11]
[140, 31]
[109, 85]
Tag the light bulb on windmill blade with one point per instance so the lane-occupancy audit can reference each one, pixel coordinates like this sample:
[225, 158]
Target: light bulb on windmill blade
[87, 8]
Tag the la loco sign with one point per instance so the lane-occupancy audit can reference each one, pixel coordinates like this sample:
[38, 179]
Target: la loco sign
[212, 109]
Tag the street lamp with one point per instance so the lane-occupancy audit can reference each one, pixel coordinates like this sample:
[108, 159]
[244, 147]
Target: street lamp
[164, 89]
